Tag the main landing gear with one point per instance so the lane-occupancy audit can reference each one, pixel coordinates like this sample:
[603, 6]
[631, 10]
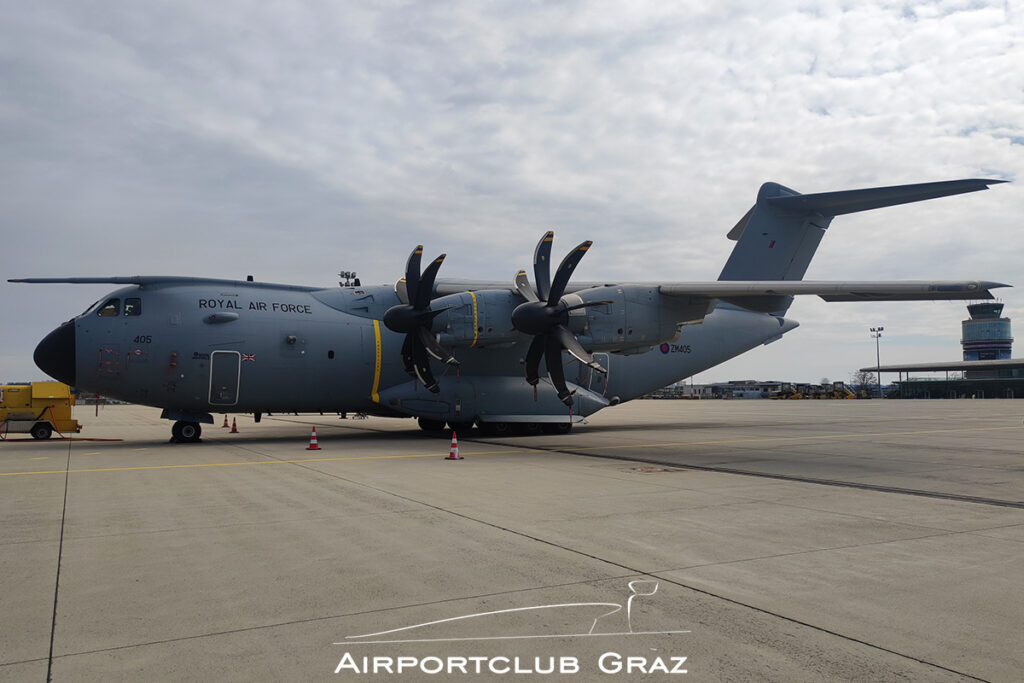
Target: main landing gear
[185, 432]
[496, 428]
[524, 428]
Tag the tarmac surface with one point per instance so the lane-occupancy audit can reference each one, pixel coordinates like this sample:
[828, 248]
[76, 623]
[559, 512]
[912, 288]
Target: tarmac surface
[761, 540]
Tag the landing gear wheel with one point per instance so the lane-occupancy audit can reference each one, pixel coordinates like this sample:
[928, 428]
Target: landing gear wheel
[186, 432]
[557, 427]
[460, 427]
[529, 428]
[41, 430]
[431, 425]
[496, 428]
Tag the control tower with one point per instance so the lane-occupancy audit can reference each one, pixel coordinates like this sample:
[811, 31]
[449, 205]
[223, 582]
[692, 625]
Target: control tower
[986, 336]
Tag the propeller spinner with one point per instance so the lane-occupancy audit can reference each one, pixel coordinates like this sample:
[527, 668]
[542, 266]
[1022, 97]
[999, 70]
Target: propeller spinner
[413, 319]
[545, 316]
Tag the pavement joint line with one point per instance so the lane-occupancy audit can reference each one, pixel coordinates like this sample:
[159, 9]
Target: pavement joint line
[778, 476]
[60, 561]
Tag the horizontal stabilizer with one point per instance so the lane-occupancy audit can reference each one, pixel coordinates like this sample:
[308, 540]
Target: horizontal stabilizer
[852, 201]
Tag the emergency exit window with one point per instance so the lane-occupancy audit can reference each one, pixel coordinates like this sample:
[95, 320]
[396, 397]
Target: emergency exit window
[111, 309]
[132, 307]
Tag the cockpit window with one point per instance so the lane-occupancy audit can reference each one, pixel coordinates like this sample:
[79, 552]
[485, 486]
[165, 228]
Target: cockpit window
[111, 309]
[132, 306]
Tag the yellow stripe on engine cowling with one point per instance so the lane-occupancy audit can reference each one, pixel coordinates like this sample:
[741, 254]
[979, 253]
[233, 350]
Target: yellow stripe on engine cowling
[475, 324]
[374, 396]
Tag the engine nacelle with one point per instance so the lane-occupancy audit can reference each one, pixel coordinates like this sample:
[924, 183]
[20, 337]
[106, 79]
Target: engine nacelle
[638, 318]
[481, 318]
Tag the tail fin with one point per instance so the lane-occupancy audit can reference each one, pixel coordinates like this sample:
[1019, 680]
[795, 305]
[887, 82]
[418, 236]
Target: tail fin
[777, 238]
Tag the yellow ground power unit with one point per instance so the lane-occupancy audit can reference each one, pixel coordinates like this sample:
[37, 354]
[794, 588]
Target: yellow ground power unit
[39, 409]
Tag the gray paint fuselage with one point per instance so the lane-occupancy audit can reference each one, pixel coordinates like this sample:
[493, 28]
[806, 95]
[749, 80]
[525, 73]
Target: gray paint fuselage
[301, 349]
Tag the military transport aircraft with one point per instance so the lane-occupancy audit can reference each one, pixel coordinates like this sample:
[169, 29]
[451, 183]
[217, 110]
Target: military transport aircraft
[196, 346]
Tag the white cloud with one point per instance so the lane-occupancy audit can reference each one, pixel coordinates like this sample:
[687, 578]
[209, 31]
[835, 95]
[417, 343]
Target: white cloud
[292, 140]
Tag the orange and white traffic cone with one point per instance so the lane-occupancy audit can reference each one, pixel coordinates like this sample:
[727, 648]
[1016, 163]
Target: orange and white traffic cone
[225, 425]
[234, 426]
[312, 441]
[454, 453]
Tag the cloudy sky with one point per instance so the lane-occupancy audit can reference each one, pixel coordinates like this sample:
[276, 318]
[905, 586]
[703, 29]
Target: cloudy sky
[292, 140]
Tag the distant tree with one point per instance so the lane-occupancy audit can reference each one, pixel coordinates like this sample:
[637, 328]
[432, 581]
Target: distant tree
[863, 380]
[823, 381]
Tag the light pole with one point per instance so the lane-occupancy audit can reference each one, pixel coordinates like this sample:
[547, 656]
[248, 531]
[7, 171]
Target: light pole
[876, 334]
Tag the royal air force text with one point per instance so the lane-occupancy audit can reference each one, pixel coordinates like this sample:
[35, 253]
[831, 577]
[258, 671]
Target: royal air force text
[232, 305]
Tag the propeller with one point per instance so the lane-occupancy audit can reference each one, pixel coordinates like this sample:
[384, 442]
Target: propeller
[413, 319]
[545, 316]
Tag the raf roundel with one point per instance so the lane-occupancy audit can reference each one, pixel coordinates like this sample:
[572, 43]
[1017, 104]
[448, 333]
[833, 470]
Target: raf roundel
[664, 348]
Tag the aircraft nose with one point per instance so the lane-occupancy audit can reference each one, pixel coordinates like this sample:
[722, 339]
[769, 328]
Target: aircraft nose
[55, 355]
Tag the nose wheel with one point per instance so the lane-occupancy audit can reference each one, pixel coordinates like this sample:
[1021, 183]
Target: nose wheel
[186, 432]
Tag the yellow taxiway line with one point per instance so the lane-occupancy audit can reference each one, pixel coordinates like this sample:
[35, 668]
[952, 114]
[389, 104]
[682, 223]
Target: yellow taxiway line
[241, 464]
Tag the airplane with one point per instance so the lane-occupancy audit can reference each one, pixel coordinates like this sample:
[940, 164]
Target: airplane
[464, 353]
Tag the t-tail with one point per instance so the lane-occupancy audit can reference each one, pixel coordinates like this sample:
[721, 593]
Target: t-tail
[777, 238]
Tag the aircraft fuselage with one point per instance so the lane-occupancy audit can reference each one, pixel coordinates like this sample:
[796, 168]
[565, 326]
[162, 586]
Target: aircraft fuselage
[196, 349]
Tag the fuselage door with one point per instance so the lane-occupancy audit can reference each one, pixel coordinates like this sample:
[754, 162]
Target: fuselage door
[599, 380]
[225, 367]
[587, 377]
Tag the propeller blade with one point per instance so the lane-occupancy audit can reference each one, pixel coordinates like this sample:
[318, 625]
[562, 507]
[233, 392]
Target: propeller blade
[407, 359]
[573, 346]
[425, 287]
[564, 272]
[429, 342]
[412, 273]
[426, 317]
[588, 304]
[553, 357]
[523, 286]
[542, 265]
[533, 356]
[422, 366]
[402, 292]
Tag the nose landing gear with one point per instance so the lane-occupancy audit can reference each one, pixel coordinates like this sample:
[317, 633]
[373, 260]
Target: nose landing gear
[185, 432]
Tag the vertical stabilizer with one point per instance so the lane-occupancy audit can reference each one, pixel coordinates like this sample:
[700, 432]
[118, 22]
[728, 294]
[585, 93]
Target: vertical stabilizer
[777, 238]
[774, 243]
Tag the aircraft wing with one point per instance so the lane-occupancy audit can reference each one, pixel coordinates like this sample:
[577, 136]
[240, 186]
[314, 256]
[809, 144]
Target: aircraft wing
[156, 280]
[829, 290]
[765, 296]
